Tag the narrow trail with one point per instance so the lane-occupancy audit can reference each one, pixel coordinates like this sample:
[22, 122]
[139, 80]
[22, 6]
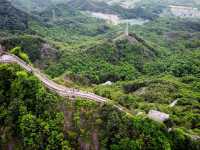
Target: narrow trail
[57, 88]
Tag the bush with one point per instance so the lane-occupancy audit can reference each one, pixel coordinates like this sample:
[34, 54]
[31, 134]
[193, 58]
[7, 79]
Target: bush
[24, 56]
[18, 52]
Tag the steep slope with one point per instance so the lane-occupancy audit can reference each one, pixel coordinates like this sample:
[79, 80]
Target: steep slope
[36, 119]
[108, 60]
[12, 18]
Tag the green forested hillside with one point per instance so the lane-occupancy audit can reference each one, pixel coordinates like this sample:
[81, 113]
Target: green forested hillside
[34, 118]
[25, 105]
[156, 65]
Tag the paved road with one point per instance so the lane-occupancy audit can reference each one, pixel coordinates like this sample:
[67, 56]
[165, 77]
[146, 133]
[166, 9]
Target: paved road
[53, 86]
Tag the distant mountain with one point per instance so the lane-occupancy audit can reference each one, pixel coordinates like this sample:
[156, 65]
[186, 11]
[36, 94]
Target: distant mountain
[31, 5]
[116, 7]
[35, 5]
[151, 12]
[12, 18]
[91, 6]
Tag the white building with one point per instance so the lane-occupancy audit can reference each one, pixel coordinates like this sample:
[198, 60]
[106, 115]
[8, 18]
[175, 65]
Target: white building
[185, 11]
[158, 116]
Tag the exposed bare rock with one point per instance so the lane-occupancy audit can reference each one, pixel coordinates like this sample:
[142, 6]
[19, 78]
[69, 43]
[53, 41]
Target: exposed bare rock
[48, 52]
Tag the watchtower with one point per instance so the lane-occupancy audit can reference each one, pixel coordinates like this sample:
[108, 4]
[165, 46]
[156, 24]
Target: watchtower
[53, 15]
[127, 29]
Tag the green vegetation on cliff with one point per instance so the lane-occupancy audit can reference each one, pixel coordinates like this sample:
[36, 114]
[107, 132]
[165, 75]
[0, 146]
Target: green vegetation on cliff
[155, 66]
[34, 118]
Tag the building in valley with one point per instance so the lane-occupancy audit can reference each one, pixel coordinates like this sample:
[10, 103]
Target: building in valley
[185, 11]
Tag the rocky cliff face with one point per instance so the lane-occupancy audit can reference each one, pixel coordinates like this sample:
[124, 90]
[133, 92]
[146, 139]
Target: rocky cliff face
[12, 18]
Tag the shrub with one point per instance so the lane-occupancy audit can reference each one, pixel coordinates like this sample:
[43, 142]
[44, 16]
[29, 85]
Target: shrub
[18, 52]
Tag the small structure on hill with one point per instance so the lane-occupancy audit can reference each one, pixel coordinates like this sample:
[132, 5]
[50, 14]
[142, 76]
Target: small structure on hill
[127, 29]
[158, 116]
[107, 83]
